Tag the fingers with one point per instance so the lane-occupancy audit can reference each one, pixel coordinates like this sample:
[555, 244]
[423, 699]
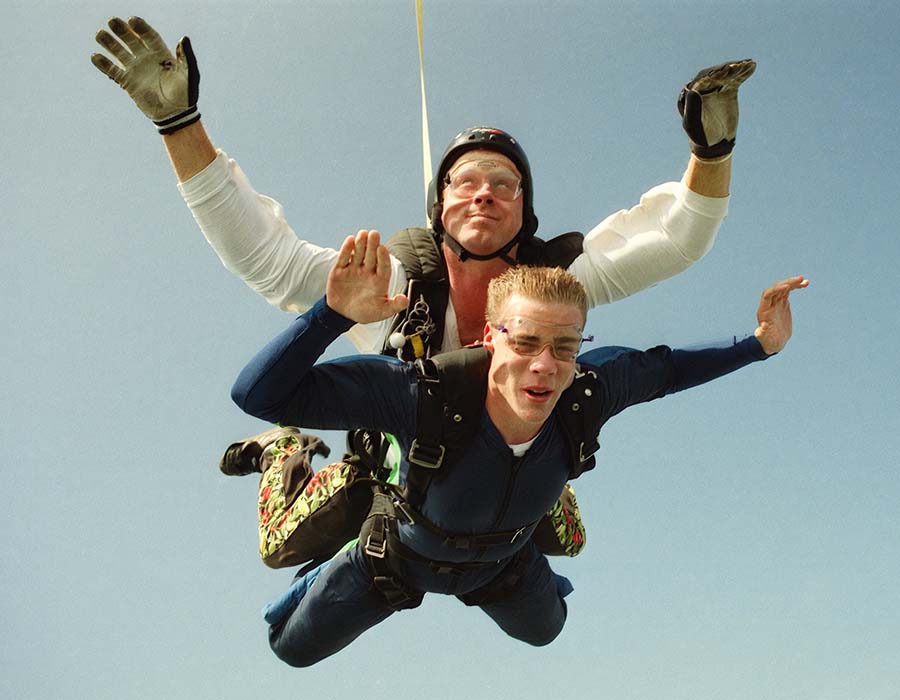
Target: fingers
[364, 250]
[107, 67]
[368, 256]
[780, 290]
[725, 76]
[119, 52]
[345, 254]
[122, 30]
[383, 262]
[125, 57]
[148, 35]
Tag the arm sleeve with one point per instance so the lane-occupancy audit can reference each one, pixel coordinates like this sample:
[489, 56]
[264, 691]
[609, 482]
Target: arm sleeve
[669, 230]
[695, 366]
[634, 377]
[282, 383]
[250, 235]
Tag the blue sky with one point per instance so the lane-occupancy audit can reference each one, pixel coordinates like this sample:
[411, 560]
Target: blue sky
[744, 538]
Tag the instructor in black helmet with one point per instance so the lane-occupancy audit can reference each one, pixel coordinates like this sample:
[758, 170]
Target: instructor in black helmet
[672, 226]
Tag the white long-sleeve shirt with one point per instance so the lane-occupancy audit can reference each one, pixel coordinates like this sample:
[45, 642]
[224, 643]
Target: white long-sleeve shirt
[664, 234]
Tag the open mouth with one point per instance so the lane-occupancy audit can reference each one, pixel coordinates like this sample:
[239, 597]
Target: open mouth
[538, 393]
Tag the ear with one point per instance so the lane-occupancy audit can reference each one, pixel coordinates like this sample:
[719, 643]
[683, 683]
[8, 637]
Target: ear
[488, 341]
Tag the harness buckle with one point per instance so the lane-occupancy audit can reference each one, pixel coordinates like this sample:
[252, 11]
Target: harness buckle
[593, 447]
[401, 506]
[375, 549]
[518, 532]
[418, 454]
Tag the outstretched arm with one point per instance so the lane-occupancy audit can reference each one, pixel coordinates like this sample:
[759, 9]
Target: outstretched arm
[700, 365]
[635, 377]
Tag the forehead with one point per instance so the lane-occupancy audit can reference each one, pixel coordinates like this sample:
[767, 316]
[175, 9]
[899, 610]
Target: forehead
[484, 154]
[551, 313]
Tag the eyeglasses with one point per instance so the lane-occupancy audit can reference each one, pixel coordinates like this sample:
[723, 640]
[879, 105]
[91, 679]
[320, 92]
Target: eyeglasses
[529, 338]
[468, 180]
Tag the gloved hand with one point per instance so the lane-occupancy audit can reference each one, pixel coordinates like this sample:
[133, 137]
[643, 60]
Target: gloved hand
[164, 87]
[709, 107]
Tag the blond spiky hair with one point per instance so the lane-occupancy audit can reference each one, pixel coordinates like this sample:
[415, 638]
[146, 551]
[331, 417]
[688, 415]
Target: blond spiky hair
[548, 284]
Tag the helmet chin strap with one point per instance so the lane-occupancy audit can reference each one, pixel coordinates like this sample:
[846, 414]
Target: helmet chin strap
[464, 254]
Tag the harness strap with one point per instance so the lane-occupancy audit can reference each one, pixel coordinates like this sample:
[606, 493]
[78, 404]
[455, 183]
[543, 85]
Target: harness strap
[460, 541]
[374, 537]
[464, 254]
[426, 454]
[580, 418]
[381, 540]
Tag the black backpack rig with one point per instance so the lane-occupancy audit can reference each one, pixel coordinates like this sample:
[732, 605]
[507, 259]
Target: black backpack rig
[421, 326]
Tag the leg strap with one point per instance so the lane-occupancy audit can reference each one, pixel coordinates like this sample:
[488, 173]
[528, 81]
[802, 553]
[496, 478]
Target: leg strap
[373, 538]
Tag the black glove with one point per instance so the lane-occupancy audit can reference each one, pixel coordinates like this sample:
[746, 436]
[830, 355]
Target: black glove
[163, 86]
[708, 106]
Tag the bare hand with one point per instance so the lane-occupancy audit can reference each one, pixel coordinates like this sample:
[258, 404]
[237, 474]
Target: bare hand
[358, 283]
[774, 314]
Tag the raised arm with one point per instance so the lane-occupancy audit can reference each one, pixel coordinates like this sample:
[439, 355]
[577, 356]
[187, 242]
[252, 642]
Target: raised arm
[708, 105]
[275, 385]
[247, 230]
[674, 224]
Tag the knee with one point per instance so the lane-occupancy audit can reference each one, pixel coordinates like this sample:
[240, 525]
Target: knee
[545, 634]
[541, 638]
[293, 654]
[298, 658]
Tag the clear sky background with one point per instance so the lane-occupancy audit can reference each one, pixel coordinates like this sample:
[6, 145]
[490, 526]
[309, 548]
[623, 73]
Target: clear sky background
[744, 537]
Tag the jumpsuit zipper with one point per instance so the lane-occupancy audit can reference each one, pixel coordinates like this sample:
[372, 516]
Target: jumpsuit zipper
[507, 497]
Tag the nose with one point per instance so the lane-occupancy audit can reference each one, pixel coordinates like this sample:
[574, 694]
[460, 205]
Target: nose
[544, 362]
[484, 193]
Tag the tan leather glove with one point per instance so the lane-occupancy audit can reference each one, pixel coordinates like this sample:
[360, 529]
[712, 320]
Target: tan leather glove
[163, 86]
[709, 107]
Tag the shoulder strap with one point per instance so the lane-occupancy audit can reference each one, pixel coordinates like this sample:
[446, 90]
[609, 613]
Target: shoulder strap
[578, 412]
[560, 251]
[422, 324]
[451, 392]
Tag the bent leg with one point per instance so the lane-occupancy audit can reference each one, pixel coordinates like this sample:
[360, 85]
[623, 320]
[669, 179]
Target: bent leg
[533, 610]
[339, 606]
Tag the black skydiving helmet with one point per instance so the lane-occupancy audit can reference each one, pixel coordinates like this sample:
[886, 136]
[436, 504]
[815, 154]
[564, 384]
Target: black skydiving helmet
[489, 139]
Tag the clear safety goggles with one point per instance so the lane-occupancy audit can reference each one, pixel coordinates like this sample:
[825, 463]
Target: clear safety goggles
[529, 338]
[469, 179]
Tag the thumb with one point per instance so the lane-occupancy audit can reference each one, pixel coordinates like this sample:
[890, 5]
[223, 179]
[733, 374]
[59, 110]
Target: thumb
[398, 302]
[184, 55]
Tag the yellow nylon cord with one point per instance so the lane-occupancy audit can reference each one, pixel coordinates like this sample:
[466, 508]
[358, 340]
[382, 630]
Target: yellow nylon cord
[426, 144]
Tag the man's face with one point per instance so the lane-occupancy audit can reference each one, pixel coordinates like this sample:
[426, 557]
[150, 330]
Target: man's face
[481, 221]
[524, 389]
